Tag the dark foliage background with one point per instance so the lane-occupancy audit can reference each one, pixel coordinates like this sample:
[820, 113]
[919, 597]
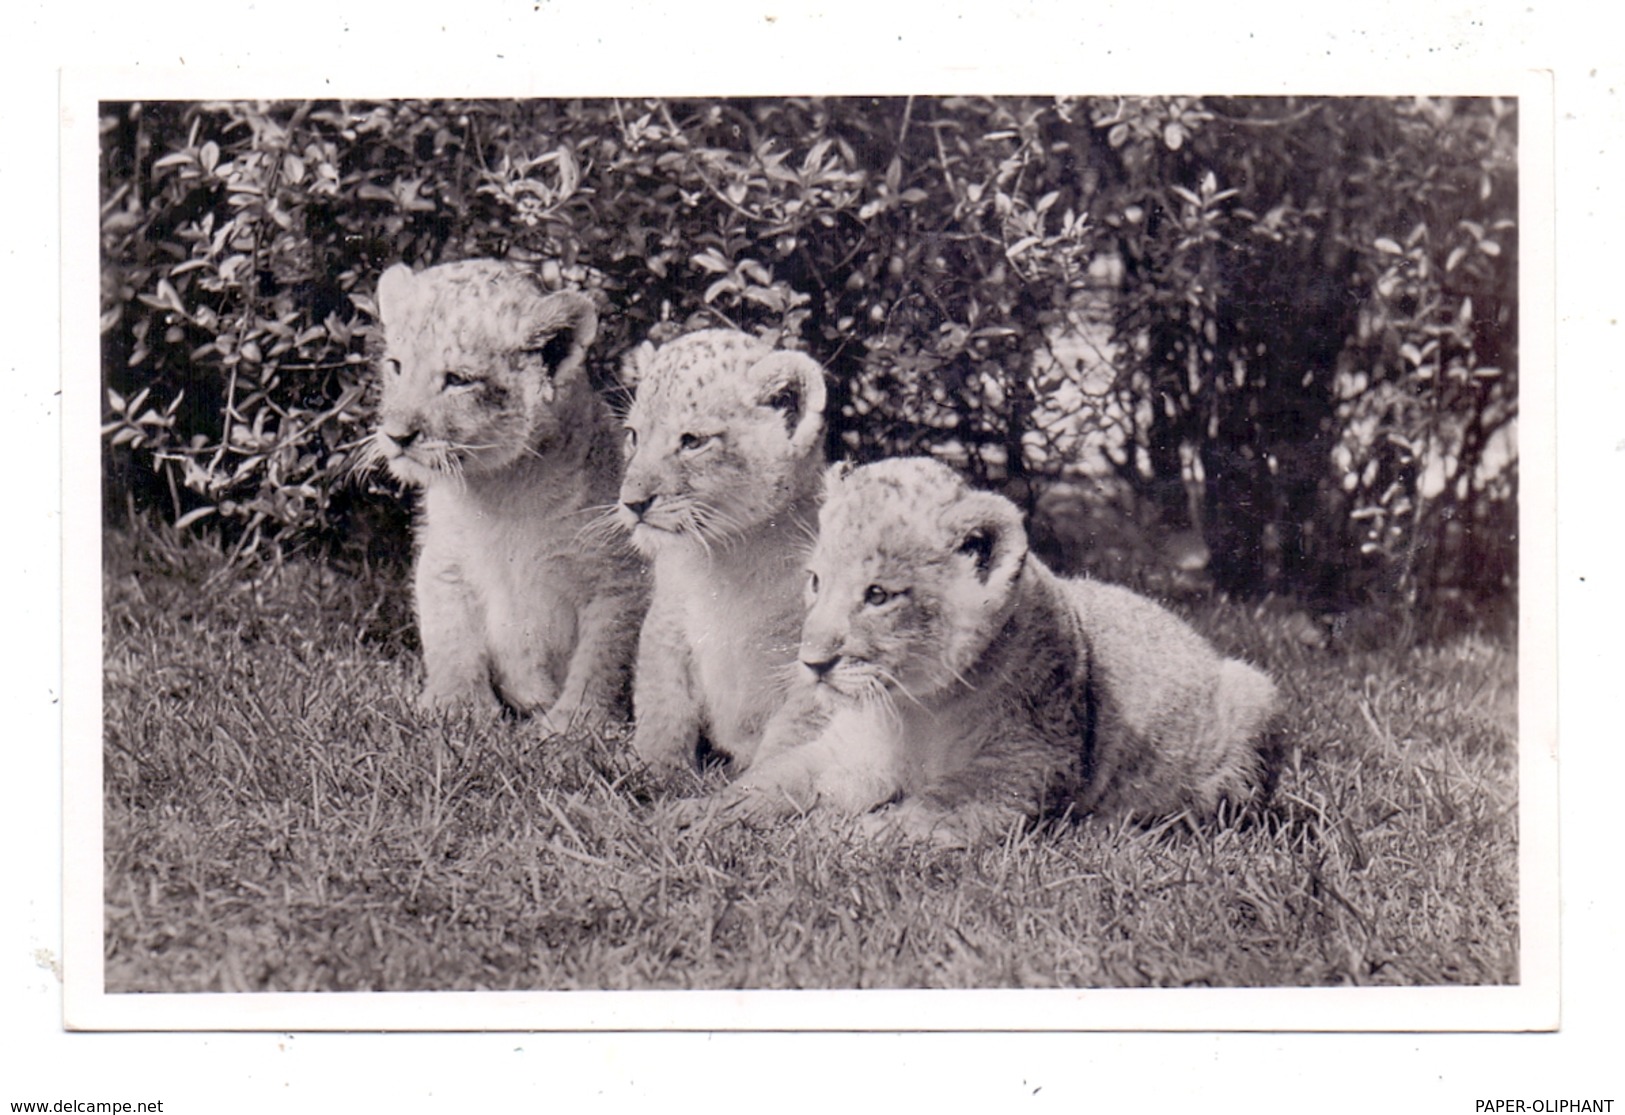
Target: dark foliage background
[1266, 344]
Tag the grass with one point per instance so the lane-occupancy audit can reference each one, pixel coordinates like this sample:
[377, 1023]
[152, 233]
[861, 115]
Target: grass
[280, 817]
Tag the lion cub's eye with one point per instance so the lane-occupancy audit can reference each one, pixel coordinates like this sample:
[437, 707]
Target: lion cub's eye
[689, 443]
[875, 596]
[812, 582]
[454, 380]
[393, 367]
[631, 441]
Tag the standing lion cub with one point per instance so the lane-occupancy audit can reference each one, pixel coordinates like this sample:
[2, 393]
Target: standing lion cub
[725, 459]
[959, 678]
[486, 407]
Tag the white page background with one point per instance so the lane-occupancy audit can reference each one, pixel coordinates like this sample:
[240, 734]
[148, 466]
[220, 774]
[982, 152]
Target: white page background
[514, 48]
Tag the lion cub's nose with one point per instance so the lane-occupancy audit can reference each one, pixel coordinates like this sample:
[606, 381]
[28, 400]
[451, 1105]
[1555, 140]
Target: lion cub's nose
[403, 437]
[638, 506]
[821, 667]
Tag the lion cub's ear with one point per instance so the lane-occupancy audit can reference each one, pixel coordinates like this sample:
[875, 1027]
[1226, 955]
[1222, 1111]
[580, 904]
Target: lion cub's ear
[564, 324]
[792, 383]
[635, 363]
[990, 544]
[395, 287]
[834, 476]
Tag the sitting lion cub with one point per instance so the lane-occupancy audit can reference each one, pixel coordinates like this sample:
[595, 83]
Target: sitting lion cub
[486, 406]
[725, 456]
[964, 681]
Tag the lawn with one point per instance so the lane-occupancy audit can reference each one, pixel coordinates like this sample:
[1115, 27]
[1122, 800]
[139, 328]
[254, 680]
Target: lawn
[279, 816]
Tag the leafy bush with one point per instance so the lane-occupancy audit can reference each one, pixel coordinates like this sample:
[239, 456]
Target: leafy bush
[1270, 321]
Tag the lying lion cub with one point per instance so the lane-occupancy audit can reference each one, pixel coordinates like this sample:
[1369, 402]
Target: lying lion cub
[962, 681]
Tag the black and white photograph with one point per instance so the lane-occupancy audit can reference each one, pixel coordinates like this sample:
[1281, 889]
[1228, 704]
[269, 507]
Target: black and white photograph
[578, 556]
[826, 543]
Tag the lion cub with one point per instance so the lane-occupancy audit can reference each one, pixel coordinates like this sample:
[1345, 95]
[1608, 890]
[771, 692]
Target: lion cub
[486, 407]
[963, 680]
[724, 443]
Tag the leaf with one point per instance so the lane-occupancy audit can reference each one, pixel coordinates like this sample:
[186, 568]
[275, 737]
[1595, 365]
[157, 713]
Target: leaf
[1173, 135]
[1384, 244]
[170, 298]
[1455, 257]
[1489, 247]
[1020, 246]
[209, 156]
[815, 157]
[1118, 135]
[713, 261]
[193, 516]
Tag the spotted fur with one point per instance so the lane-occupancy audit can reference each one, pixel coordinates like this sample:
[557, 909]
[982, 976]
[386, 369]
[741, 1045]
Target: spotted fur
[962, 680]
[486, 407]
[724, 455]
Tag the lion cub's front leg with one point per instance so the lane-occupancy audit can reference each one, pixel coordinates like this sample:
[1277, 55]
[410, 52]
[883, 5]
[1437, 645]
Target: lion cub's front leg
[986, 799]
[851, 766]
[451, 626]
[595, 682]
[667, 704]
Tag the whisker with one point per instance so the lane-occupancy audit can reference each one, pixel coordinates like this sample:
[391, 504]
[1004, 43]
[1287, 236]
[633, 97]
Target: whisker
[959, 677]
[368, 460]
[808, 532]
[692, 525]
[876, 696]
[605, 529]
[896, 682]
[724, 528]
[788, 673]
[481, 446]
[596, 509]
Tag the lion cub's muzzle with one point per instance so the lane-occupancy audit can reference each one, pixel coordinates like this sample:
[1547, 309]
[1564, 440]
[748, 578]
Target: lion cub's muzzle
[637, 507]
[819, 667]
[397, 440]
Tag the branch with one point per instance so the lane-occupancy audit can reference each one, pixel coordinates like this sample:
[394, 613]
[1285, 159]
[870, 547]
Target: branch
[1271, 121]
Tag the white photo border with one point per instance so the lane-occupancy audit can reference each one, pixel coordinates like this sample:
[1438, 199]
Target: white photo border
[1531, 1004]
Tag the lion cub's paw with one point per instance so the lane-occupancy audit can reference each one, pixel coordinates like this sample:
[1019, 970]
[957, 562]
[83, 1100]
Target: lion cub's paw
[662, 756]
[734, 806]
[912, 824]
[481, 708]
[563, 719]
